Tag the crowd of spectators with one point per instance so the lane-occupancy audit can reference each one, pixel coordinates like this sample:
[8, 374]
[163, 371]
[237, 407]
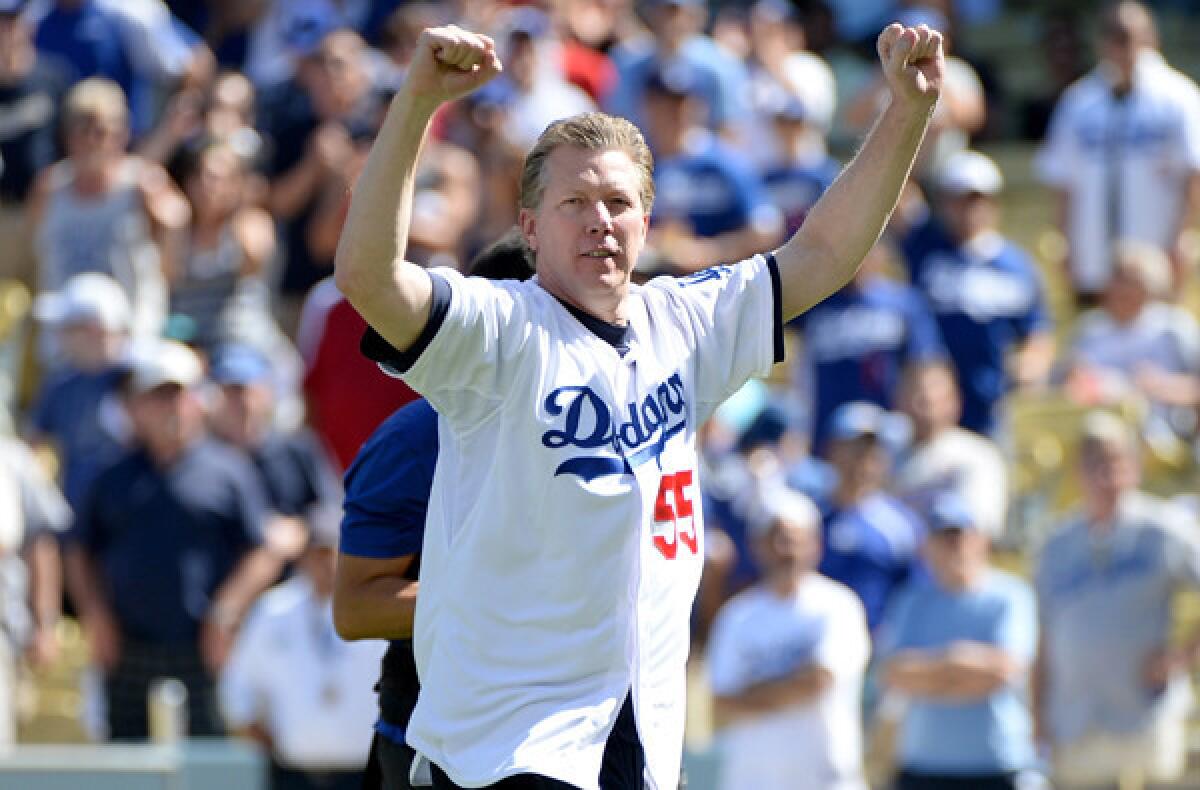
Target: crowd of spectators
[173, 181]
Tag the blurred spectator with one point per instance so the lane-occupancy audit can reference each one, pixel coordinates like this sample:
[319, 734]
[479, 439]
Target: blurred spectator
[1136, 344]
[871, 541]
[220, 283]
[102, 210]
[985, 291]
[1123, 152]
[293, 685]
[943, 456]
[710, 206]
[676, 37]
[166, 553]
[1111, 688]
[1063, 47]
[321, 124]
[961, 109]
[136, 43]
[533, 89]
[786, 661]
[858, 342]
[31, 89]
[77, 415]
[347, 395]
[800, 171]
[958, 646]
[292, 466]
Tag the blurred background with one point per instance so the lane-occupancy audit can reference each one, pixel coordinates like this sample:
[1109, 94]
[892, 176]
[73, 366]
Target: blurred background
[181, 387]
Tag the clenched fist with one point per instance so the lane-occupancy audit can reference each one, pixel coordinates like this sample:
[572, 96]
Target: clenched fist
[449, 63]
[913, 62]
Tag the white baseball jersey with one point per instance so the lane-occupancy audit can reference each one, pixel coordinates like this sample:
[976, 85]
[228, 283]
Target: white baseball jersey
[1124, 162]
[563, 545]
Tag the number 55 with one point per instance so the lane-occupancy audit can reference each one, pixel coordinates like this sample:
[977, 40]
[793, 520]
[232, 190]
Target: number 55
[674, 506]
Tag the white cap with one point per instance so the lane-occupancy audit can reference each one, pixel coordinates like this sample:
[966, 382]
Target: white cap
[965, 172]
[780, 503]
[90, 297]
[164, 362]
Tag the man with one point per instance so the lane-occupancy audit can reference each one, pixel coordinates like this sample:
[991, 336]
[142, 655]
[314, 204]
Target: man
[944, 456]
[291, 684]
[786, 660]
[871, 541]
[166, 554]
[985, 291]
[1123, 152]
[1112, 693]
[536, 625]
[958, 645]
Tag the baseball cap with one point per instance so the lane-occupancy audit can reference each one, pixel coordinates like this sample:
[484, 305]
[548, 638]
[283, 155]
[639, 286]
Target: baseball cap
[674, 78]
[780, 503]
[949, 510]
[239, 365]
[966, 172]
[11, 7]
[857, 419]
[163, 362]
[90, 297]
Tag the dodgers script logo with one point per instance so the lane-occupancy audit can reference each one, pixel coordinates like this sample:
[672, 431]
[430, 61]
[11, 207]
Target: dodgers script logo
[634, 437]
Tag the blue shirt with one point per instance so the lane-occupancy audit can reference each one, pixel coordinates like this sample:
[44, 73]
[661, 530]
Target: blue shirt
[987, 300]
[165, 539]
[988, 736]
[710, 187]
[294, 472]
[70, 411]
[795, 188]
[872, 548]
[857, 343]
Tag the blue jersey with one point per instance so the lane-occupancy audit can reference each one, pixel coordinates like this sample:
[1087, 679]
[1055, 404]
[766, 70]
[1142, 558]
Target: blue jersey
[710, 188]
[987, 299]
[872, 548]
[857, 343]
[795, 188]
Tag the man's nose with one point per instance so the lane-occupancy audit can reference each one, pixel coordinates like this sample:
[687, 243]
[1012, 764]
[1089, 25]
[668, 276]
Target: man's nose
[599, 218]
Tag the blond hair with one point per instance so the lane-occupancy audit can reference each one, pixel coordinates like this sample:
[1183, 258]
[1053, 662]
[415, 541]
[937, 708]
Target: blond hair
[591, 131]
[96, 97]
[1145, 263]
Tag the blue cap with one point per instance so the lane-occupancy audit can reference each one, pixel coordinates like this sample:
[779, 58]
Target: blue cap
[239, 364]
[674, 78]
[949, 510]
[12, 6]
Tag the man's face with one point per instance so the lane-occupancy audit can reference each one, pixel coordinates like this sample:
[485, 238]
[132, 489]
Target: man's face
[590, 227]
[931, 399]
[166, 418]
[788, 549]
[860, 461]
[968, 215]
[93, 138]
[956, 556]
[1109, 470]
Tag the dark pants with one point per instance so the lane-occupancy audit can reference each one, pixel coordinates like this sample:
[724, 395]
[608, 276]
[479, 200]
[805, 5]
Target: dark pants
[128, 685]
[910, 780]
[518, 782]
[387, 765]
[283, 778]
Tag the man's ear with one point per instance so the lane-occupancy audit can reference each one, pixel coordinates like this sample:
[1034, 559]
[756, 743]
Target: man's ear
[528, 224]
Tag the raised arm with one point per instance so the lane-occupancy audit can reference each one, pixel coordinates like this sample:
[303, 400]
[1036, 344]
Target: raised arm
[846, 222]
[390, 293]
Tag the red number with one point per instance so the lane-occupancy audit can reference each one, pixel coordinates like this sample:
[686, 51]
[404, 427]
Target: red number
[672, 509]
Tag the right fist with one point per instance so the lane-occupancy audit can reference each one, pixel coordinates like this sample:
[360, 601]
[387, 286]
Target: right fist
[450, 62]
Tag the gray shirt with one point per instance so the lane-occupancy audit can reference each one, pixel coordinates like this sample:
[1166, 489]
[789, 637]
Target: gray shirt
[1105, 600]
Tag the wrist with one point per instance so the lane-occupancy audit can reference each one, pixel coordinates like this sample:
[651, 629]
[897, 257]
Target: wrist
[223, 614]
[416, 106]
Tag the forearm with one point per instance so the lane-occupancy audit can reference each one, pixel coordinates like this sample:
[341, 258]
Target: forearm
[381, 608]
[771, 695]
[255, 572]
[291, 191]
[949, 675]
[83, 584]
[45, 581]
[846, 222]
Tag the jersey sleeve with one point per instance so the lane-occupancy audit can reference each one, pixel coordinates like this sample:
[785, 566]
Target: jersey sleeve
[467, 359]
[1056, 160]
[387, 487]
[734, 315]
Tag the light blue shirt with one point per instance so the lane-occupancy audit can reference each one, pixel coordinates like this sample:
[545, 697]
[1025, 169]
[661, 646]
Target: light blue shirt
[1105, 607]
[987, 736]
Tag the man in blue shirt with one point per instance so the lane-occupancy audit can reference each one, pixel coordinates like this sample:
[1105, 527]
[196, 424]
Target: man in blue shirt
[985, 291]
[871, 541]
[959, 645]
[858, 342]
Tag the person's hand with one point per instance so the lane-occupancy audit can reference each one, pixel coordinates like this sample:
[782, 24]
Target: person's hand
[914, 63]
[331, 148]
[1160, 666]
[216, 642]
[449, 63]
[103, 638]
[43, 649]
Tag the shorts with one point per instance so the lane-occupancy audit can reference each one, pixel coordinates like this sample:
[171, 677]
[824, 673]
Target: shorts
[1156, 754]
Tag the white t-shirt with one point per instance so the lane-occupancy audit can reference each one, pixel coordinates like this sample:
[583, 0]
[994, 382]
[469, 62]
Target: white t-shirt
[963, 461]
[291, 672]
[1152, 137]
[759, 636]
[563, 545]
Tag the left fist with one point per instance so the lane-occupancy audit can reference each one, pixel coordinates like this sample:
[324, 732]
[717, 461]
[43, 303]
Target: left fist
[913, 61]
